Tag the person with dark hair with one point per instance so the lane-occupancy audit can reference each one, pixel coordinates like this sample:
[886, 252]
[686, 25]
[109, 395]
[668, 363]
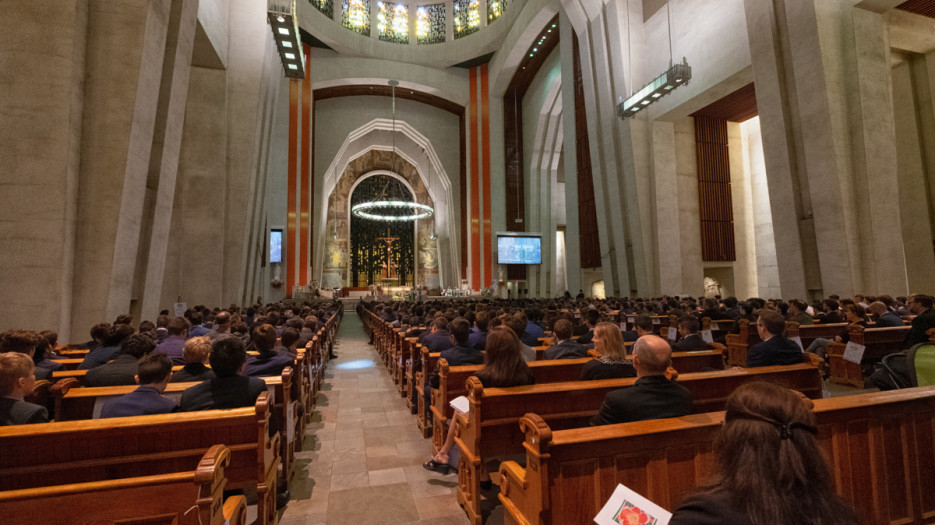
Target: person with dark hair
[533, 329]
[591, 318]
[269, 362]
[197, 329]
[919, 305]
[439, 338]
[518, 325]
[775, 349]
[162, 328]
[461, 353]
[642, 325]
[613, 362]
[122, 370]
[798, 314]
[17, 380]
[853, 314]
[229, 388]
[830, 314]
[504, 366]
[115, 338]
[478, 338]
[153, 373]
[99, 333]
[896, 372]
[29, 343]
[288, 341]
[769, 466]
[653, 396]
[172, 346]
[883, 316]
[565, 347]
[196, 352]
[691, 340]
[148, 328]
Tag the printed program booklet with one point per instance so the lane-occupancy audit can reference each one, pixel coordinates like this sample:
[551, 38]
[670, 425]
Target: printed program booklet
[626, 507]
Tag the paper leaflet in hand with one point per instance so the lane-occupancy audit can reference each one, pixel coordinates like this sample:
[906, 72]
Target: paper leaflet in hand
[707, 336]
[853, 352]
[626, 507]
[460, 403]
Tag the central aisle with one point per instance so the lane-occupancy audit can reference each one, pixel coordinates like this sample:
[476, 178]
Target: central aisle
[363, 454]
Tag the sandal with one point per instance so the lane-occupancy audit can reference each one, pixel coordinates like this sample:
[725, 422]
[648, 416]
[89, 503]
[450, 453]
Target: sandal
[441, 468]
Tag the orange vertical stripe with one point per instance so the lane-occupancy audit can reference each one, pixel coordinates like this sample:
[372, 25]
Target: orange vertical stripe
[290, 217]
[485, 182]
[475, 194]
[304, 195]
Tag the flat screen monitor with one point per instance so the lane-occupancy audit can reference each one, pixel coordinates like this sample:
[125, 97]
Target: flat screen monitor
[275, 246]
[519, 249]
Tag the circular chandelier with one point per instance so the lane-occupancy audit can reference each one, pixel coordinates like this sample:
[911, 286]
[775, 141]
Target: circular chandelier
[413, 210]
[390, 210]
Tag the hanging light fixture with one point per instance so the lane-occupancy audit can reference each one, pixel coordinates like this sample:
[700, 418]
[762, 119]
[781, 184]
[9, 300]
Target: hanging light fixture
[389, 209]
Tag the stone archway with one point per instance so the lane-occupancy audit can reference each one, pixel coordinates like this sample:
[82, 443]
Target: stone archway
[336, 264]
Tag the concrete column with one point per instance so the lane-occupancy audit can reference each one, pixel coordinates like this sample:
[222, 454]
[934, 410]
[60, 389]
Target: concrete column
[41, 112]
[572, 233]
[126, 44]
[164, 162]
[668, 238]
[688, 207]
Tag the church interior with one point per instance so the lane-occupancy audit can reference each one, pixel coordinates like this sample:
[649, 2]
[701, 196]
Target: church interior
[158, 153]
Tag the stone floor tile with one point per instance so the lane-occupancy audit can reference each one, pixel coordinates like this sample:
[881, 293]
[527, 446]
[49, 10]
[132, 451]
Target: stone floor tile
[387, 476]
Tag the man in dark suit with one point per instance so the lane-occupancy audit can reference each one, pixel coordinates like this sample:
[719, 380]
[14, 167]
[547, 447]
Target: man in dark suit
[269, 362]
[921, 306]
[172, 345]
[17, 380]
[884, 317]
[642, 325]
[111, 346]
[478, 338]
[122, 370]
[229, 389]
[896, 372]
[565, 348]
[461, 353]
[653, 396]
[153, 376]
[691, 339]
[439, 339]
[775, 349]
[591, 318]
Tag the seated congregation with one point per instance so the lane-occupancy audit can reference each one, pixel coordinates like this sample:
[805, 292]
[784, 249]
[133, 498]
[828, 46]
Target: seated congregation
[206, 363]
[601, 370]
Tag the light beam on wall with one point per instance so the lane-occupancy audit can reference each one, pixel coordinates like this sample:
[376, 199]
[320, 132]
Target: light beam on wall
[285, 26]
[677, 75]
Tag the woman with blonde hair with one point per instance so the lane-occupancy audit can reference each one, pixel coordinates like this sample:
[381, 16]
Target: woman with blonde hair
[613, 362]
[769, 466]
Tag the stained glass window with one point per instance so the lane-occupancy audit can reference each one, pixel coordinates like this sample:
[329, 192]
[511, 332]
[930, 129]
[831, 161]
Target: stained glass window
[495, 8]
[393, 22]
[356, 16]
[326, 7]
[430, 24]
[467, 17]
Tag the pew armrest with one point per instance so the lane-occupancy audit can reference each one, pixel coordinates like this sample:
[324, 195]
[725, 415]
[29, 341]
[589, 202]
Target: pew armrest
[235, 510]
[512, 476]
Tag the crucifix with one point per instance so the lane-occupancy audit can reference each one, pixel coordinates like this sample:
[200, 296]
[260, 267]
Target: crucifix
[389, 268]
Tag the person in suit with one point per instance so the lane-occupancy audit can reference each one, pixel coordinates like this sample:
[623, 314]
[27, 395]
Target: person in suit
[591, 318]
[269, 362]
[896, 373]
[653, 396]
[153, 374]
[691, 339]
[775, 349]
[195, 353]
[122, 370]
[229, 388]
[172, 345]
[198, 328]
[884, 316]
[830, 314]
[565, 348]
[533, 330]
[613, 362]
[111, 346]
[29, 343]
[478, 338]
[921, 306]
[17, 380]
[461, 353]
[439, 339]
[642, 325]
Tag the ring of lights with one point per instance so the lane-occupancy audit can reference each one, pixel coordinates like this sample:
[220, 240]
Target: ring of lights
[419, 211]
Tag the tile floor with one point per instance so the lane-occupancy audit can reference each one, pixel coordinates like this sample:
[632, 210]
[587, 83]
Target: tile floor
[363, 454]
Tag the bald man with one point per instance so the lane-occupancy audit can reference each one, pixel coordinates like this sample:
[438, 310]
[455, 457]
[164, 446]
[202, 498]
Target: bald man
[652, 396]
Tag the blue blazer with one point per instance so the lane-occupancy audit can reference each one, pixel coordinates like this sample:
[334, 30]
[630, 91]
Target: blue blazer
[143, 401]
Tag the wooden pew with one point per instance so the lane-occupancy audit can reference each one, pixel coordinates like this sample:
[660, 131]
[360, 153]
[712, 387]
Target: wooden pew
[879, 342]
[73, 403]
[738, 343]
[192, 497]
[68, 364]
[452, 382]
[808, 333]
[68, 452]
[490, 428]
[879, 446]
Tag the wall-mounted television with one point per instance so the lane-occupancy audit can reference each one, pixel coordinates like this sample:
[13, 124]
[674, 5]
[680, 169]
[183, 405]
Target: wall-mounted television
[275, 246]
[523, 248]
